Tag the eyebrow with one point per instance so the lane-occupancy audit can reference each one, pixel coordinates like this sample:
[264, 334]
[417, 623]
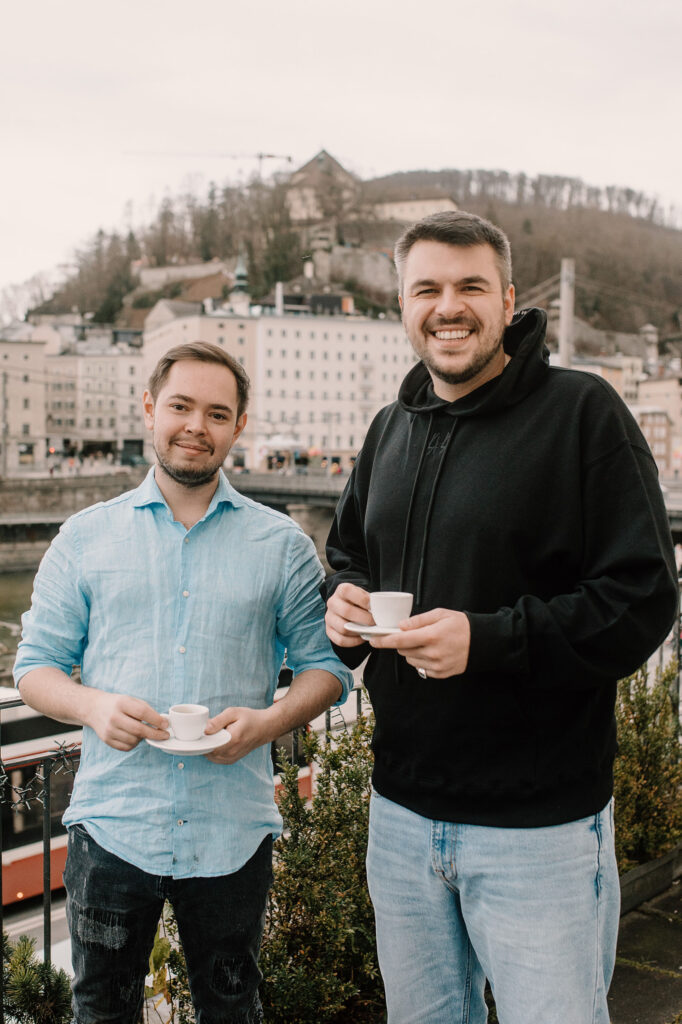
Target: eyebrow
[190, 401]
[472, 279]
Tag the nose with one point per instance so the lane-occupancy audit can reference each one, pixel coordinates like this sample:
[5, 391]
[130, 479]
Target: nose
[450, 303]
[194, 423]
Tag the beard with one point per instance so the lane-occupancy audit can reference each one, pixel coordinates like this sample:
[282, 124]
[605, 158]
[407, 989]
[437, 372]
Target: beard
[490, 340]
[188, 476]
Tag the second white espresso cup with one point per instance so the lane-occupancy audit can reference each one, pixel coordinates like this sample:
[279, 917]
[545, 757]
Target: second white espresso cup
[388, 607]
[188, 721]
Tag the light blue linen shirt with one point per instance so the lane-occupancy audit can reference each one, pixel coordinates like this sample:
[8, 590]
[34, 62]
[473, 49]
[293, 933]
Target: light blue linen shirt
[171, 615]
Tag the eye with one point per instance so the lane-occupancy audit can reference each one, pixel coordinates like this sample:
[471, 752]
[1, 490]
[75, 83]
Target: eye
[219, 416]
[426, 291]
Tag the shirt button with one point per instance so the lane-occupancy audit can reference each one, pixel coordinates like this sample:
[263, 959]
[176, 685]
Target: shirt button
[182, 649]
[181, 765]
[185, 593]
[186, 540]
[180, 822]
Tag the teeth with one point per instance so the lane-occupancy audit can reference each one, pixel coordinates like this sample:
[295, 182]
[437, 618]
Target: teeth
[451, 335]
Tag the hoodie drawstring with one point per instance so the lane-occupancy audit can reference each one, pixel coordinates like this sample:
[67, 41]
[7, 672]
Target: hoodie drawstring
[422, 554]
[411, 502]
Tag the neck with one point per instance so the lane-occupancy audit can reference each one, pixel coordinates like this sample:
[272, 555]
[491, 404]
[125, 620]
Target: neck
[188, 504]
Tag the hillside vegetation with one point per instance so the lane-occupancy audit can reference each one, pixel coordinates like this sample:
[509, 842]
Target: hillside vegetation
[628, 262]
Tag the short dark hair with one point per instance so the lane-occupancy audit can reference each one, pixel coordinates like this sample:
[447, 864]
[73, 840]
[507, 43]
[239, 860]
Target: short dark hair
[202, 352]
[455, 227]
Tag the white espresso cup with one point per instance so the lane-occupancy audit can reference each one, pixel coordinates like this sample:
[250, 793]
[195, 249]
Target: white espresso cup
[188, 721]
[389, 607]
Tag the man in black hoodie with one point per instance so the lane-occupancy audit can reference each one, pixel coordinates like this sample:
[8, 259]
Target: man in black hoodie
[520, 505]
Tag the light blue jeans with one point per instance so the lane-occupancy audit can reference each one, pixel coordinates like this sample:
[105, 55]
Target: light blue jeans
[535, 910]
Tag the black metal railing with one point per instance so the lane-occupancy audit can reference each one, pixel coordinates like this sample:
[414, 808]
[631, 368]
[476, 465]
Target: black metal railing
[20, 796]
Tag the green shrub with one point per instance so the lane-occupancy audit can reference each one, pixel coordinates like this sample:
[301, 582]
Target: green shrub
[34, 992]
[319, 949]
[648, 769]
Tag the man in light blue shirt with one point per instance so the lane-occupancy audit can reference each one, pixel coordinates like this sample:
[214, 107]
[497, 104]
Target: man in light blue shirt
[183, 591]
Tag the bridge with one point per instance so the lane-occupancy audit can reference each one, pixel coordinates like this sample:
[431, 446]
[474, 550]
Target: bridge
[31, 510]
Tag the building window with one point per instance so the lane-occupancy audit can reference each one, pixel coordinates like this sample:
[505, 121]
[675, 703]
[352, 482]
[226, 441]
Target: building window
[131, 371]
[26, 429]
[27, 403]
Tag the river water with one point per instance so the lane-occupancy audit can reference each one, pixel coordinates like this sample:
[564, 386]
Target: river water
[15, 598]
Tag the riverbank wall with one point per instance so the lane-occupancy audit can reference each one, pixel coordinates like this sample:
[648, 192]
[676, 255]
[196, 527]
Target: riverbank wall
[32, 510]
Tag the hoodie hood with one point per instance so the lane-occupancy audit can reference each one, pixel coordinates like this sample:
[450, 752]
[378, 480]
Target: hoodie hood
[524, 341]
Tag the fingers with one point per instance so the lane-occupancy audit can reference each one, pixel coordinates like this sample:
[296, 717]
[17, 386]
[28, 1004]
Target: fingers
[437, 642]
[223, 720]
[347, 604]
[122, 721]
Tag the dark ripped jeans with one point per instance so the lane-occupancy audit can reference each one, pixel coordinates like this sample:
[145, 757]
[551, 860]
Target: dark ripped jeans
[113, 909]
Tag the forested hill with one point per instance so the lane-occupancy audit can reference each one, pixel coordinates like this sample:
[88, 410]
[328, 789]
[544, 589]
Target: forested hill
[628, 261]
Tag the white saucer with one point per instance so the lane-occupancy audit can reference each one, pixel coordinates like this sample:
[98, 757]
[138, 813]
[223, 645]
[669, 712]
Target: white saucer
[189, 747]
[368, 631]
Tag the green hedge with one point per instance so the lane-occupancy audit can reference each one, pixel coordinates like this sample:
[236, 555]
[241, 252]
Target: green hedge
[648, 769]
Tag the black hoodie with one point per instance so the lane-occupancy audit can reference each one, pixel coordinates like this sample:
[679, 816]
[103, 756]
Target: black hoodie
[532, 504]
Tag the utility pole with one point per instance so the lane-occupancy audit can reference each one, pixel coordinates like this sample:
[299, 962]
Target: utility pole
[566, 306]
[4, 427]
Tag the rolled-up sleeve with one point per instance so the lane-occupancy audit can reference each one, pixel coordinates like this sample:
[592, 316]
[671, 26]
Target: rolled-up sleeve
[54, 630]
[300, 625]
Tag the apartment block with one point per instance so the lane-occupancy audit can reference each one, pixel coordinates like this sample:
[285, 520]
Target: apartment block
[94, 402]
[22, 405]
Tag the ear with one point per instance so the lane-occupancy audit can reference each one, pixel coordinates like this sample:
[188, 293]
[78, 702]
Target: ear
[400, 301]
[239, 426]
[509, 304]
[148, 407]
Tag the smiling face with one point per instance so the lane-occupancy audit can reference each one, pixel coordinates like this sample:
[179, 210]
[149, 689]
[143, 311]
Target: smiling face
[194, 421]
[455, 313]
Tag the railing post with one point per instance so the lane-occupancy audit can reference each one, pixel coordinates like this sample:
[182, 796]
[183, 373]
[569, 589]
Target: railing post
[47, 862]
[2, 917]
[675, 694]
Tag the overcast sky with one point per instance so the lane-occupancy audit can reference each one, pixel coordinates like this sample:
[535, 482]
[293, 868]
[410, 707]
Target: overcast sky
[108, 104]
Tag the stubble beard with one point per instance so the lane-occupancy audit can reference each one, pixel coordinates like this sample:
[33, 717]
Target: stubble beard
[186, 476]
[491, 339]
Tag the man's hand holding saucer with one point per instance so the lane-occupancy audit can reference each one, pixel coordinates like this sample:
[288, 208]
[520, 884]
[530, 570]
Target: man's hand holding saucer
[435, 642]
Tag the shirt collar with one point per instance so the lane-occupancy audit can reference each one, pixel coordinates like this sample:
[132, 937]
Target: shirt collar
[148, 493]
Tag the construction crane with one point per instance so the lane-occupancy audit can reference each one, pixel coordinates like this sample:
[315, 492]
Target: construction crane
[260, 157]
